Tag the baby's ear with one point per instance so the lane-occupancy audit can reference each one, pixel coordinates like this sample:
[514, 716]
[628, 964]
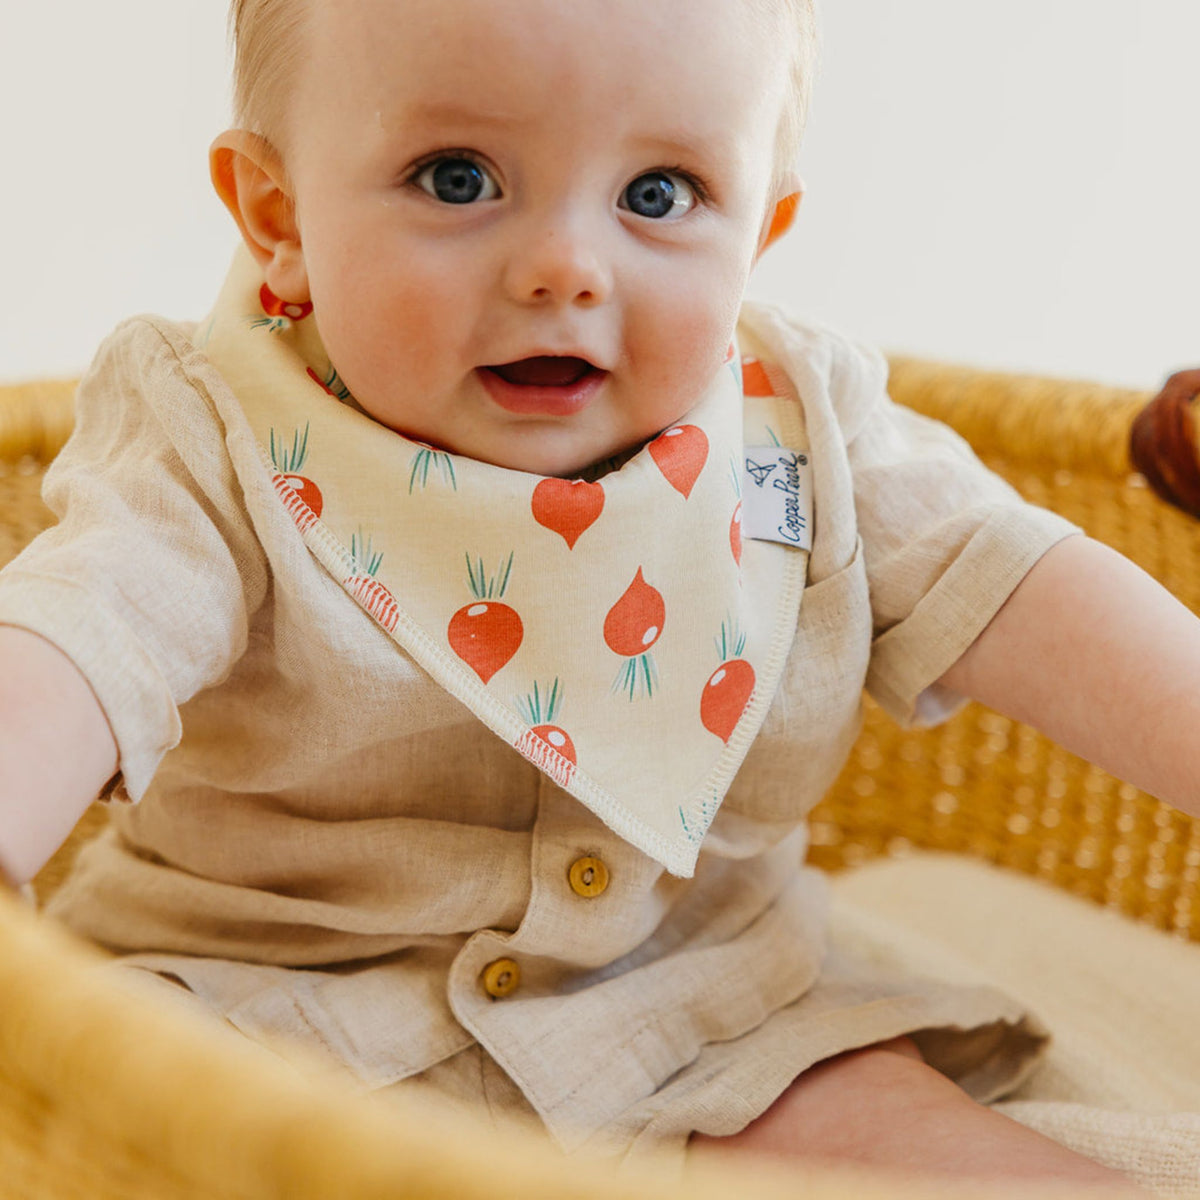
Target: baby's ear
[250, 179]
[779, 220]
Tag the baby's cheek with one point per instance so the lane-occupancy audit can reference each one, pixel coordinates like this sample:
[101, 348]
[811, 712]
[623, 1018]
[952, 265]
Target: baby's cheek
[383, 338]
[706, 297]
[385, 302]
[690, 345]
[415, 325]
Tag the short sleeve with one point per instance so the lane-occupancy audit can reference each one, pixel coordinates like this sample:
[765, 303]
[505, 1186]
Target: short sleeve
[945, 542]
[150, 578]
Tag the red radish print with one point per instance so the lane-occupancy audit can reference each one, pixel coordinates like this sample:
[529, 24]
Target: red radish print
[735, 522]
[332, 383]
[729, 687]
[274, 307]
[635, 622]
[558, 739]
[425, 458]
[550, 751]
[287, 464]
[278, 315]
[754, 378]
[297, 509]
[725, 697]
[681, 453]
[567, 506]
[545, 744]
[632, 626]
[485, 635]
[365, 588]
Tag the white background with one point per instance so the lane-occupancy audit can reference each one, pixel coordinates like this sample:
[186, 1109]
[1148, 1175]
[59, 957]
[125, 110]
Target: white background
[1014, 185]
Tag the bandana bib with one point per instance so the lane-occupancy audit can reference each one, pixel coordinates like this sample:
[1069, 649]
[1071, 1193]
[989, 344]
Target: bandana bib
[625, 635]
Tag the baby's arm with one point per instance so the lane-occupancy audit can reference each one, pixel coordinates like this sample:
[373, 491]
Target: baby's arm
[56, 750]
[1096, 654]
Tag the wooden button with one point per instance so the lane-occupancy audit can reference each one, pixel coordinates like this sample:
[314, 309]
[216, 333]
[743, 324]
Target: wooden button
[501, 978]
[589, 877]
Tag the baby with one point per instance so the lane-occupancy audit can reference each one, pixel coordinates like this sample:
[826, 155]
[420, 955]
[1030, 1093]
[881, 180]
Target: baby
[464, 617]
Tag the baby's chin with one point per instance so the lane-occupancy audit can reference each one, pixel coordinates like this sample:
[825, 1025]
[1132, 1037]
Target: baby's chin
[551, 448]
[553, 456]
[576, 466]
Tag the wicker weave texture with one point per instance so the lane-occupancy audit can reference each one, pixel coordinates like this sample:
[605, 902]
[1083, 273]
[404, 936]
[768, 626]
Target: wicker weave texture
[987, 786]
[35, 419]
[109, 1094]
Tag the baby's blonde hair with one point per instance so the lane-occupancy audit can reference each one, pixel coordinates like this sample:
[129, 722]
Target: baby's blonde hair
[268, 40]
[268, 44]
[805, 45]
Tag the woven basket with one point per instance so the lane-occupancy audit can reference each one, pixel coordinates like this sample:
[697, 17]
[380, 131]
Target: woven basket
[104, 1094]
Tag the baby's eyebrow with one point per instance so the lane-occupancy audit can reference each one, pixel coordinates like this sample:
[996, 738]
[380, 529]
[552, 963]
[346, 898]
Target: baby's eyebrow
[448, 112]
[688, 145]
[685, 143]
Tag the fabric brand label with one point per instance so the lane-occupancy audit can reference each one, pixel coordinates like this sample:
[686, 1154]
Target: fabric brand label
[777, 496]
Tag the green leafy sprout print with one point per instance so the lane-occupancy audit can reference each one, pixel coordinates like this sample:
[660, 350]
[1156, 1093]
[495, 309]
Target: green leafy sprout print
[423, 460]
[332, 382]
[638, 677]
[483, 588]
[289, 462]
[732, 641]
[365, 559]
[530, 705]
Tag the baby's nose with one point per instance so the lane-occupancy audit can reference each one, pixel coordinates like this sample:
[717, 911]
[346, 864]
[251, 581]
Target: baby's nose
[558, 265]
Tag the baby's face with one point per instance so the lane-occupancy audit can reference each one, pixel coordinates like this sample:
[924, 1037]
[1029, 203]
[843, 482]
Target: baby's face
[527, 225]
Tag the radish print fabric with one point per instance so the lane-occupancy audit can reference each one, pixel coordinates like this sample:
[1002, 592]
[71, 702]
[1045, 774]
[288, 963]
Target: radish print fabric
[618, 631]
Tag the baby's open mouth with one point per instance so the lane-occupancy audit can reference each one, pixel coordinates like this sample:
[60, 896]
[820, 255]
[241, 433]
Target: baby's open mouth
[543, 371]
[544, 385]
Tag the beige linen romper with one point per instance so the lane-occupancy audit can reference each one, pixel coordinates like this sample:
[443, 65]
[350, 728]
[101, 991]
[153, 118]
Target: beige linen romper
[326, 846]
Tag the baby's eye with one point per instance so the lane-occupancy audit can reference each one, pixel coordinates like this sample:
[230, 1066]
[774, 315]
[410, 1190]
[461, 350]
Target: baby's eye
[457, 181]
[659, 194]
